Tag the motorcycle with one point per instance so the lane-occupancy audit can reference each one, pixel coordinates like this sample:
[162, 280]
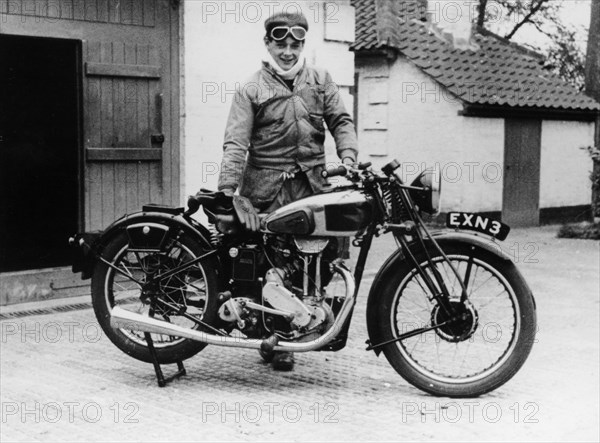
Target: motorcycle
[448, 309]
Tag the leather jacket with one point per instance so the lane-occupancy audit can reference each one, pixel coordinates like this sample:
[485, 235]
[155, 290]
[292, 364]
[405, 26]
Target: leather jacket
[273, 131]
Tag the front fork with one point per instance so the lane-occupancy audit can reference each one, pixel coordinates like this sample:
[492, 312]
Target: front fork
[438, 289]
[415, 228]
[439, 293]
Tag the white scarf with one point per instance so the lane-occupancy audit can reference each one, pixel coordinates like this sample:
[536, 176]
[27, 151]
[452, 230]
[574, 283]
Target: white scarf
[291, 73]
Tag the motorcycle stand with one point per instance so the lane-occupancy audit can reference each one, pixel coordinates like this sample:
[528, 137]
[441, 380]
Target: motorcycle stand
[160, 378]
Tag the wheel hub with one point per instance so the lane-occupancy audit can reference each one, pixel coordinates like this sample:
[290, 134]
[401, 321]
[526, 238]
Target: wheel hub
[462, 327]
[172, 288]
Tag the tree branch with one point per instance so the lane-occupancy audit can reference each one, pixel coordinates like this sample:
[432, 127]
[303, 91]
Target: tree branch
[541, 30]
[592, 75]
[527, 19]
[481, 13]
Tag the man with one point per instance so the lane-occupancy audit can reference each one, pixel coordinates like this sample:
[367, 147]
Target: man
[273, 149]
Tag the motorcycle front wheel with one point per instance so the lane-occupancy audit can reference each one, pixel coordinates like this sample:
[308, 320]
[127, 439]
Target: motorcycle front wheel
[193, 291]
[466, 357]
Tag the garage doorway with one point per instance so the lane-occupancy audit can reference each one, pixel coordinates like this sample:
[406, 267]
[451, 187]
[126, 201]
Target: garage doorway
[40, 185]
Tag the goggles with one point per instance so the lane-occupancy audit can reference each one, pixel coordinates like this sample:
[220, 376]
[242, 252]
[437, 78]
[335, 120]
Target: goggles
[279, 33]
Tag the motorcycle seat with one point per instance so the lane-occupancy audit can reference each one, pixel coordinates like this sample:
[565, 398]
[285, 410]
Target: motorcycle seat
[218, 207]
[215, 202]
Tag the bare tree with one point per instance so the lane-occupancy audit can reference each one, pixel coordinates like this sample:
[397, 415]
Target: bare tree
[592, 88]
[564, 56]
[592, 66]
[514, 14]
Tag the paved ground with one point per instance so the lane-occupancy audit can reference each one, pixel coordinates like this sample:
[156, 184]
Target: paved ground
[62, 380]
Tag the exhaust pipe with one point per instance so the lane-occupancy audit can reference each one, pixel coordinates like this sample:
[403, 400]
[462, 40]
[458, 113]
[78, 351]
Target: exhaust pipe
[121, 318]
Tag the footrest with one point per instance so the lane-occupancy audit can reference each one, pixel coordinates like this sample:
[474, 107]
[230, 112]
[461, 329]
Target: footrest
[336, 344]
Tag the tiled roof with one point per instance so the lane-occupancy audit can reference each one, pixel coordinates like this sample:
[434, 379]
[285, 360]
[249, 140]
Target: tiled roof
[365, 26]
[499, 73]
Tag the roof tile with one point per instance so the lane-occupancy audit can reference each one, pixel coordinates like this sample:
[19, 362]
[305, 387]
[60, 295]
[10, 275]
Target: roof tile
[498, 73]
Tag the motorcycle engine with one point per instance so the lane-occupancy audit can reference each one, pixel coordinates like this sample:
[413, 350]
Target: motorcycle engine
[283, 303]
[306, 313]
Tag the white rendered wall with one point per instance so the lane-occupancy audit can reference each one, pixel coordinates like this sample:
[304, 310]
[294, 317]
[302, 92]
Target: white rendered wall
[565, 168]
[406, 115]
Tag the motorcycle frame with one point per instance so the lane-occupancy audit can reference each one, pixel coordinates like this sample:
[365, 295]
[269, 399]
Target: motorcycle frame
[372, 186]
[366, 240]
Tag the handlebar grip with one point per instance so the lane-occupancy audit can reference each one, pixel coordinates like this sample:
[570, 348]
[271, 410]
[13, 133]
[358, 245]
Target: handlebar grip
[334, 172]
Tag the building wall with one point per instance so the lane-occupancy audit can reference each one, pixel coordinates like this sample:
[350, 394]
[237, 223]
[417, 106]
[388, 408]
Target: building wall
[404, 114]
[565, 168]
[223, 46]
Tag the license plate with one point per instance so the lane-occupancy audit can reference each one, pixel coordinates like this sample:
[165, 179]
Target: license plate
[477, 223]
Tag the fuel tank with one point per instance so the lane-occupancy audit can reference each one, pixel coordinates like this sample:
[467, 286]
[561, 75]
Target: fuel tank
[340, 213]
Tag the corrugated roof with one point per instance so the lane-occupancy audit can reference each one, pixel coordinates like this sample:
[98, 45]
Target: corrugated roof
[499, 73]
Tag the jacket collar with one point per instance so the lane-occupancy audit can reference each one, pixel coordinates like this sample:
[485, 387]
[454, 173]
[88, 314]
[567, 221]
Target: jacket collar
[301, 77]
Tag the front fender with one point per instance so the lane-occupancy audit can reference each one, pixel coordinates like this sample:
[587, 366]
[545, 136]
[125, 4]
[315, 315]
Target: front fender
[391, 265]
[160, 224]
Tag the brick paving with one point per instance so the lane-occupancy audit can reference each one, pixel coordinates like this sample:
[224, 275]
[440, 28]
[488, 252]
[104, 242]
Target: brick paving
[62, 380]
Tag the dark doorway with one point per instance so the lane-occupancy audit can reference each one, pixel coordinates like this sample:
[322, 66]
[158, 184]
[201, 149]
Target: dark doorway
[39, 146]
[522, 149]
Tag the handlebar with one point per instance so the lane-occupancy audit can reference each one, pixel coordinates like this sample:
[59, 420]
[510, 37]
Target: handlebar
[343, 170]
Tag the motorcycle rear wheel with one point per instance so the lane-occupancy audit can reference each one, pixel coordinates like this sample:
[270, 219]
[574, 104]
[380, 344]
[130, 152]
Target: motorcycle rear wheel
[194, 288]
[466, 358]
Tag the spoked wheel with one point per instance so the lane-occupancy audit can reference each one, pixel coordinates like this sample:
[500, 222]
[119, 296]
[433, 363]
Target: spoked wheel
[481, 342]
[191, 291]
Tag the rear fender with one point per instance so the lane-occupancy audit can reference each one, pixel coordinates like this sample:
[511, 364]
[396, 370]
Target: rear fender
[147, 230]
[392, 264]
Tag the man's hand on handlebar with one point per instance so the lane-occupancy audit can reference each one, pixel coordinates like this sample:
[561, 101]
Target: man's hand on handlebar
[228, 192]
[348, 161]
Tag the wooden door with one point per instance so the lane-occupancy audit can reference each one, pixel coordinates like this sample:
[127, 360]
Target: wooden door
[130, 156]
[129, 147]
[521, 189]
[124, 129]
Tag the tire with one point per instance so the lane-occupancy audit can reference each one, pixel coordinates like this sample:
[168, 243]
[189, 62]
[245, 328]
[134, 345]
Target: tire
[470, 357]
[197, 287]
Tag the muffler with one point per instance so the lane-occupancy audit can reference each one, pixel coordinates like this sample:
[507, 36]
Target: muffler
[121, 318]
